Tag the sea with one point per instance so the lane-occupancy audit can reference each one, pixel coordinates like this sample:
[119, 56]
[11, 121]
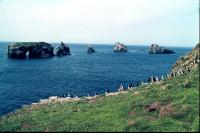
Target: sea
[26, 81]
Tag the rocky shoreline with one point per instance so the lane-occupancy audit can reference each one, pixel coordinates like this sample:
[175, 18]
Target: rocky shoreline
[56, 99]
[190, 61]
[43, 50]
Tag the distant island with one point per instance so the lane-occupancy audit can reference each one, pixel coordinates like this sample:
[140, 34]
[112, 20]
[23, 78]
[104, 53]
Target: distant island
[120, 47]
[90, 50]
[62, 49]
[156, 49]
[23, 50]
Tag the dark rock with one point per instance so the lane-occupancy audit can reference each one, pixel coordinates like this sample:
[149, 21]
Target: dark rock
[130, 85]
[23, 50]
[119, 47]
[172, 74]
[152, 79]
[108, 91]
[156, 49]
[188, 69]
[62, 50]
[17, 52]
[90, 50]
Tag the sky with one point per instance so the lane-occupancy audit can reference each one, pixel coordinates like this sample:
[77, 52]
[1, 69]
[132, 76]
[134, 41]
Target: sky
[165, 22]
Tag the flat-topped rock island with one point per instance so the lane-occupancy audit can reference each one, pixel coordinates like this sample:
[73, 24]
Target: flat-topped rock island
[23, 50]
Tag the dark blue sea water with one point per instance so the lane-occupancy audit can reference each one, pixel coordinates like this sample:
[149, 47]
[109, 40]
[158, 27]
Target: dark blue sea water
[27, 81]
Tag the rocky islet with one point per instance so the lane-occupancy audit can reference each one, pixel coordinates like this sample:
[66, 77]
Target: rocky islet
[120, 47]
[90, 50]
[156, 49]
[23, 50]
[62, 49]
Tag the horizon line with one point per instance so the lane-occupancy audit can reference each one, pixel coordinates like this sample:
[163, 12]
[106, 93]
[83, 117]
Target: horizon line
[129, 44]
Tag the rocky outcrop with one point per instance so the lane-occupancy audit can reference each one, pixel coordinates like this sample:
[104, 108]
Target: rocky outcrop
[120, 47]
[186, 63]
[156, 49]
[24, 50]
[90, 50]
[62, 50]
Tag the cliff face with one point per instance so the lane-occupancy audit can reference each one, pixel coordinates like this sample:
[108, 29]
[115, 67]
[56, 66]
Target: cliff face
[187, 62]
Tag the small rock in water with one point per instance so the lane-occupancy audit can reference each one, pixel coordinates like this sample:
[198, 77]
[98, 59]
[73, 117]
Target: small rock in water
[120, 47]
[156, 49]
[62, 50]
[90, 50]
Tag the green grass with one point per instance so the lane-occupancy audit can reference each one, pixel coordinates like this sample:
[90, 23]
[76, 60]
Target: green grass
[124, 112]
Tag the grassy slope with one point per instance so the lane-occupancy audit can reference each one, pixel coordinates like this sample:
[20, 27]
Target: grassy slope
[124, 112]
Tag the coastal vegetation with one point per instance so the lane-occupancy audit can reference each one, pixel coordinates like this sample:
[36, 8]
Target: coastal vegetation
[171, 104]
[178, 110]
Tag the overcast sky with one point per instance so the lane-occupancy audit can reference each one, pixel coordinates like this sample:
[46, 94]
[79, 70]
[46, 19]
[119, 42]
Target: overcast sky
[166, 22]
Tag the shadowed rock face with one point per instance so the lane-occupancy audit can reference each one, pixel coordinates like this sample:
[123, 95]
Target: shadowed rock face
[119, 47]
[156, 49]
[23, 50]
[91, 50]
[62, 50]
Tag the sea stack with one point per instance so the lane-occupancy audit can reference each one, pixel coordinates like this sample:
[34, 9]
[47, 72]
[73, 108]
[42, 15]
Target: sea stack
[22, 50]
[156, 49]
[120, 47]
[62, 50]
[90, 50]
